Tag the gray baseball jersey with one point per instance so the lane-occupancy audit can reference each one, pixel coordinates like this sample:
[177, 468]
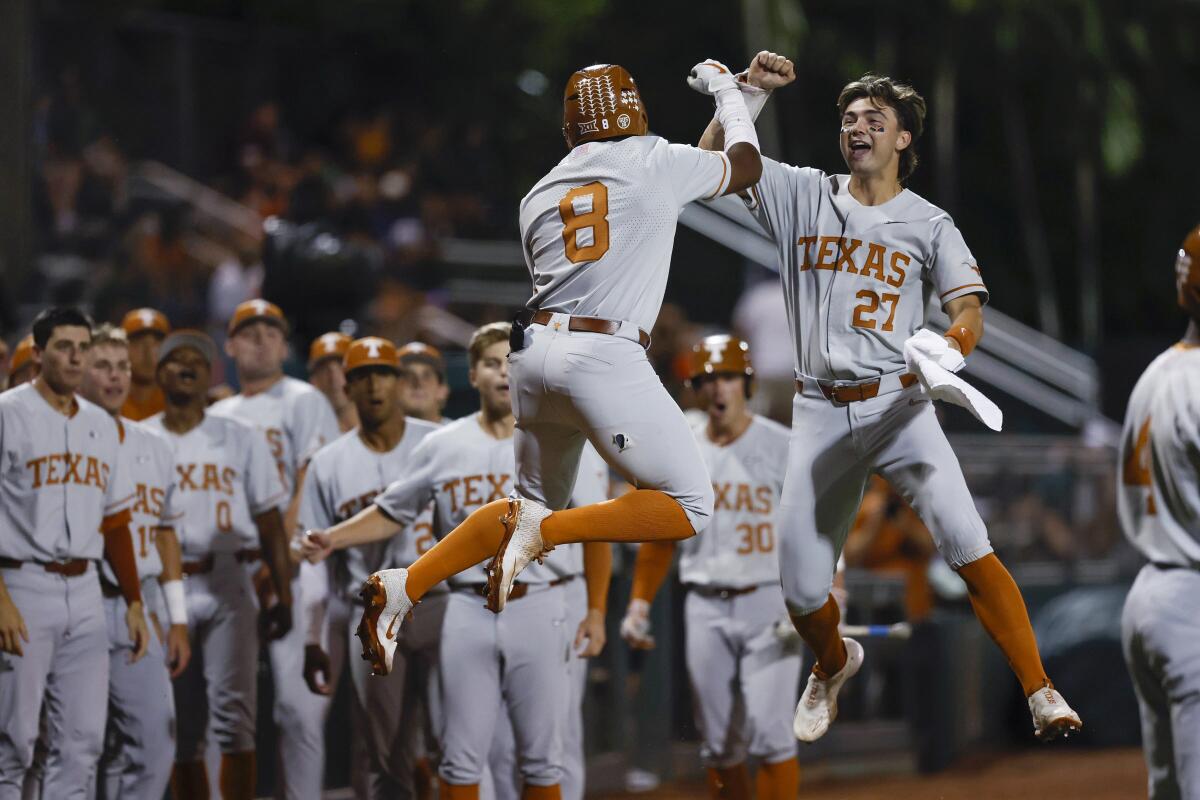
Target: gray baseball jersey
[295, 417]
[60, 478]
[343, 479]
[1158, 484]
[598, 229]
[857, 279]
[737, 549]
[226, 477]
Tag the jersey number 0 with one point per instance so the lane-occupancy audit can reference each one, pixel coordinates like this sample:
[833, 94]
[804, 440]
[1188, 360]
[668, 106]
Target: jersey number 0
[585, 210]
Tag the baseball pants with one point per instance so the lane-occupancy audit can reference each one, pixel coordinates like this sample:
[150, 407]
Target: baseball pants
[745, 680]
[1160, 634]
[139, 743]
[221, 678]
[65, 664]
[832, 452]
[518, 656]
[569, 387]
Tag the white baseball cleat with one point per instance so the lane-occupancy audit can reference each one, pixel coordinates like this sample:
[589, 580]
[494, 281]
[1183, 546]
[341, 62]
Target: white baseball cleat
[386, 605]
[521, 544]
[818, 706]
[1052, 717]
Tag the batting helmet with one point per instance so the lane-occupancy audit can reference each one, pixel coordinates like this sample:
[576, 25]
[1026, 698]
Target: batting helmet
[600, 102]
[1187, 273]
[721, 355]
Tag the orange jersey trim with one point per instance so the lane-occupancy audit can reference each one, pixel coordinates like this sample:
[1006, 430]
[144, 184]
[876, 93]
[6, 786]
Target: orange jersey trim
[960, 288]
[724, 172]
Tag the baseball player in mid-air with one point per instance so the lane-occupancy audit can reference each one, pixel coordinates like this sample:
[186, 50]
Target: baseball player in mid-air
[140, 742]
[489, 666]
[145, 329]
[229, 496]
[343, 478]
[64, 504]
[859, 257]
[22, 368]
[325, 372]
[297, 420]
[744, 677]
[597, 232]
[1158, 500]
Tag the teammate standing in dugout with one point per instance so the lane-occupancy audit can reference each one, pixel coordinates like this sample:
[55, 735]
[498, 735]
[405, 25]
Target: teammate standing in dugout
[1158, 499]
[859, 255]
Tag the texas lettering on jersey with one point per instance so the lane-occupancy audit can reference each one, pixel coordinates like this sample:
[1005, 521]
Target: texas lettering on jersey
[759, 499]
[59, 468]
[839, 254]
[473, 491]
[206, 478]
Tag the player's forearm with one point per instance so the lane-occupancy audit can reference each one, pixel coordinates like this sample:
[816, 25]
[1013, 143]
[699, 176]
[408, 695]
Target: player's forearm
[118, 552]
[597, 573]
[651, 568]
[713, 137]
[274, 545]
[171, 555]
[291, 517]
[368, 525]
[966, 323]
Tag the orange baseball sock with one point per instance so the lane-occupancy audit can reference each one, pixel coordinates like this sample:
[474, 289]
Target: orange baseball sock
[820, 631]
[650, 569]
[1001, 610]
[189, 781]
[449, 791]
[729, 783]
[778, 781]
[643, 515]
[239, 773]
[476, 539]
[541, 792]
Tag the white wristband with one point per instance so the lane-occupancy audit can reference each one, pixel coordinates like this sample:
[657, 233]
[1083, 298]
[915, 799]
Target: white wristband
[755, 97]
[735, 118]
[638, 608]
[176, 602]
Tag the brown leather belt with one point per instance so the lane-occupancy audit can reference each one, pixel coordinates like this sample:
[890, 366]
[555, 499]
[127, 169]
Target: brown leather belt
[591, 325]
[205, 565]
[71, 568]
[852, 393]
[720, 592]
[519, 590]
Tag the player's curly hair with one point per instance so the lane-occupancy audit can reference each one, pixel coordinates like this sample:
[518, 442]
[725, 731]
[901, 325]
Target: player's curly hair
[902, 98]
[485, 337]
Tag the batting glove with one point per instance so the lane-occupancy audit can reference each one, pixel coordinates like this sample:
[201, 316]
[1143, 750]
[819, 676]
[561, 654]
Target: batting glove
[710, 77]
[635, 627]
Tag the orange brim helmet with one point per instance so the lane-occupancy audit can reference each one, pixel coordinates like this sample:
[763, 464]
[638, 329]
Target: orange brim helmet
[720, 355]
[600, 102]
[1187, 273]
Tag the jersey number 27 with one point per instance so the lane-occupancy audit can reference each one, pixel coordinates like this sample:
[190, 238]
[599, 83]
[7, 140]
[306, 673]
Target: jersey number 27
[584, 213]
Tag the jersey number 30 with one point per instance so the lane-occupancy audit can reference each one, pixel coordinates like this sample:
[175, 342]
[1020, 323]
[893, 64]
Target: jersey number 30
[584, 213]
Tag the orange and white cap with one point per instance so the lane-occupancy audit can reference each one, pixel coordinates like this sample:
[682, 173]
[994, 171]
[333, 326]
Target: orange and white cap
[22, 354]
[255, 311]
[423, 353]
[371, 351]
[1187, 272]
[326, 346]
[145, 320]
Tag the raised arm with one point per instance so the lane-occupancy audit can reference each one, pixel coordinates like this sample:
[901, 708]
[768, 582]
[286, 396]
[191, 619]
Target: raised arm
[767, 71]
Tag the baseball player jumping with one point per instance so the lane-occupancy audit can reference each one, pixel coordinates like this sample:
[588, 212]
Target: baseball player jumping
[488, 666]
[744, 677]
[1158, 500]
[859, 257]
[597, 233]
[296, 420]
[229, 494]
[64, 504]
[140, 742]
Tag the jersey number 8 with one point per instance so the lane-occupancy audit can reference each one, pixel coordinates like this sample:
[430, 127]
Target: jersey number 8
[585, 210]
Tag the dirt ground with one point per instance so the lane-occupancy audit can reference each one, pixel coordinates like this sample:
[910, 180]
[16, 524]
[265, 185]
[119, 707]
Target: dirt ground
[1034, 775]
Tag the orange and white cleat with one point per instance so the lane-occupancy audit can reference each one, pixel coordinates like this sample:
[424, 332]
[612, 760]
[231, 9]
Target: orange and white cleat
[521, 544]
[818, 706]
[386, 605]
[1052, 717]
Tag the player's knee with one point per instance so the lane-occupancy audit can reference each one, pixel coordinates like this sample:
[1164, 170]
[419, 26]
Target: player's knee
[458, 773]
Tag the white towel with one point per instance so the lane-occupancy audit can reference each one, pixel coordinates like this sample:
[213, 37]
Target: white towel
[930, 357]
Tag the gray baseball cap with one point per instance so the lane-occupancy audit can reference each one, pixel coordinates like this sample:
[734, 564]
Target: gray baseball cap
[199, 340]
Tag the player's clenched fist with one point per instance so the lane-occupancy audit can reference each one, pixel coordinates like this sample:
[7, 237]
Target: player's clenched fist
[710, 77]
[770, 71]
[635, 627]
[316, 546]
[12, 626]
